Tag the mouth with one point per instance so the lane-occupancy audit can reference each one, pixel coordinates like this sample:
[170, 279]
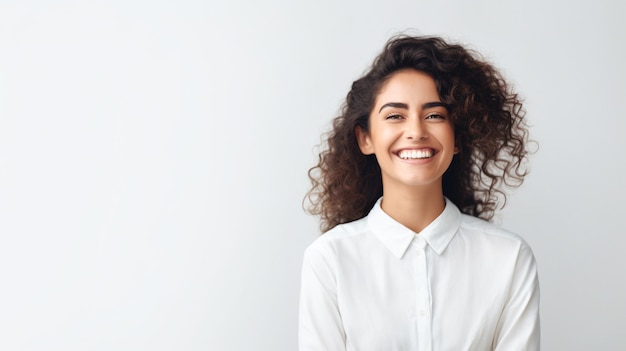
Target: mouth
[416, 154]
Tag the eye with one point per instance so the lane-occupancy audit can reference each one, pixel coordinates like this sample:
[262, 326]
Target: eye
[436, 116]
[394, 116]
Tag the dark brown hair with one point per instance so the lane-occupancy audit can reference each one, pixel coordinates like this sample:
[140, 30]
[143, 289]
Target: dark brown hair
[489, 127]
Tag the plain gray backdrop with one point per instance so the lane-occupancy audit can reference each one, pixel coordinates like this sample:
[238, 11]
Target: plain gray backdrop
[153, 159]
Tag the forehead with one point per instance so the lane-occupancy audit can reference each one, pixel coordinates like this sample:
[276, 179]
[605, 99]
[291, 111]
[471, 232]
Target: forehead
[408, 85]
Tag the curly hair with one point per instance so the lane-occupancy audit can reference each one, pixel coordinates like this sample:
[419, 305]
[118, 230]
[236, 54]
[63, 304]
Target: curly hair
[489, 127]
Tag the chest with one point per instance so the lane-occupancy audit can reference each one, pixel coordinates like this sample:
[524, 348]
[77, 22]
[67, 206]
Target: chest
[421, 302]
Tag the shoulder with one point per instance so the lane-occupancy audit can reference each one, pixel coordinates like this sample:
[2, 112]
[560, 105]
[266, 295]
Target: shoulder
[496, 247]
[342, 234]
[478, 229]
[337, 239]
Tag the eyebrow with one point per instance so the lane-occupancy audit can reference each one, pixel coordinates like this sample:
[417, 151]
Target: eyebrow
[406, 106]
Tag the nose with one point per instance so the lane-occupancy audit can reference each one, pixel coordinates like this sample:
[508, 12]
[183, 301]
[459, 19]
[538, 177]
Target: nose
[416, 130]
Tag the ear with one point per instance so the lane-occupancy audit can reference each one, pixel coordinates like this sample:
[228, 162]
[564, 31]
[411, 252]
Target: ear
[364, 140]
[457, 143]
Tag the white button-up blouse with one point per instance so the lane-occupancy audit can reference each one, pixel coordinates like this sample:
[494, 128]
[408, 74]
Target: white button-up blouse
[461, 284]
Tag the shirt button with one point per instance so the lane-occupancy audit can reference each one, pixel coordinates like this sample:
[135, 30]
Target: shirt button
[422, 313]
[418, 252]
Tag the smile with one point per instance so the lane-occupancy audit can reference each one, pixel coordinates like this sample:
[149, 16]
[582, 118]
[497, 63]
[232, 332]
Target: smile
[416, 154]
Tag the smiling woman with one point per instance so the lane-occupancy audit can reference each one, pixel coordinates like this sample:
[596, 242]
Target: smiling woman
[412, 139]
[424, 144]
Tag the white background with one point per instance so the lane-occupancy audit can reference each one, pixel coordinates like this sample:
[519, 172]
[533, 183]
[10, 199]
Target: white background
[153, 159]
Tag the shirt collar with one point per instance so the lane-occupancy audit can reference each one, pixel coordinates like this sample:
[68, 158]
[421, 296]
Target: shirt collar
[397, 238]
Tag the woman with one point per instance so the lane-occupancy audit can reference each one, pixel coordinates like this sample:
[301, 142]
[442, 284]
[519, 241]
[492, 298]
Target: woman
[413, 168]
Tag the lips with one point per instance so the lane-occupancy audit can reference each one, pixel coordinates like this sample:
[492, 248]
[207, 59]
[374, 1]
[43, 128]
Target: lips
[416, 154]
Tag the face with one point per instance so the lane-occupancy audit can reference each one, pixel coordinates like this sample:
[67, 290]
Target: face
[409, 132]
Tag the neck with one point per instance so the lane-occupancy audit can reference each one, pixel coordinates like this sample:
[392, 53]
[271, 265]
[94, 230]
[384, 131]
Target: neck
[414, 208]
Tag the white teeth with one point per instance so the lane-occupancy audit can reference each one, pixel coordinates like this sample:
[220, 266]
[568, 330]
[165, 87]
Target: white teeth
[415, 154]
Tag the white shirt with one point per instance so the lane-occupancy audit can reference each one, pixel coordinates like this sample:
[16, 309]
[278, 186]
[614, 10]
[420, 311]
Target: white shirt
[461, 284]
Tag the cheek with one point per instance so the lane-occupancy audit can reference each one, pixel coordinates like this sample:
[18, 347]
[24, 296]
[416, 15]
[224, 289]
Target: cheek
[381, 134]
[451, 134]
[446, 134]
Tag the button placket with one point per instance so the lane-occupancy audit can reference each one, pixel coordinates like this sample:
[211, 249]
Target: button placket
[423, 295]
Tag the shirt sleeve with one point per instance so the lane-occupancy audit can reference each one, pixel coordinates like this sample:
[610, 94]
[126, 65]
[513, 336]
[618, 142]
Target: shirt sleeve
[518, 327]
[320, 325]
